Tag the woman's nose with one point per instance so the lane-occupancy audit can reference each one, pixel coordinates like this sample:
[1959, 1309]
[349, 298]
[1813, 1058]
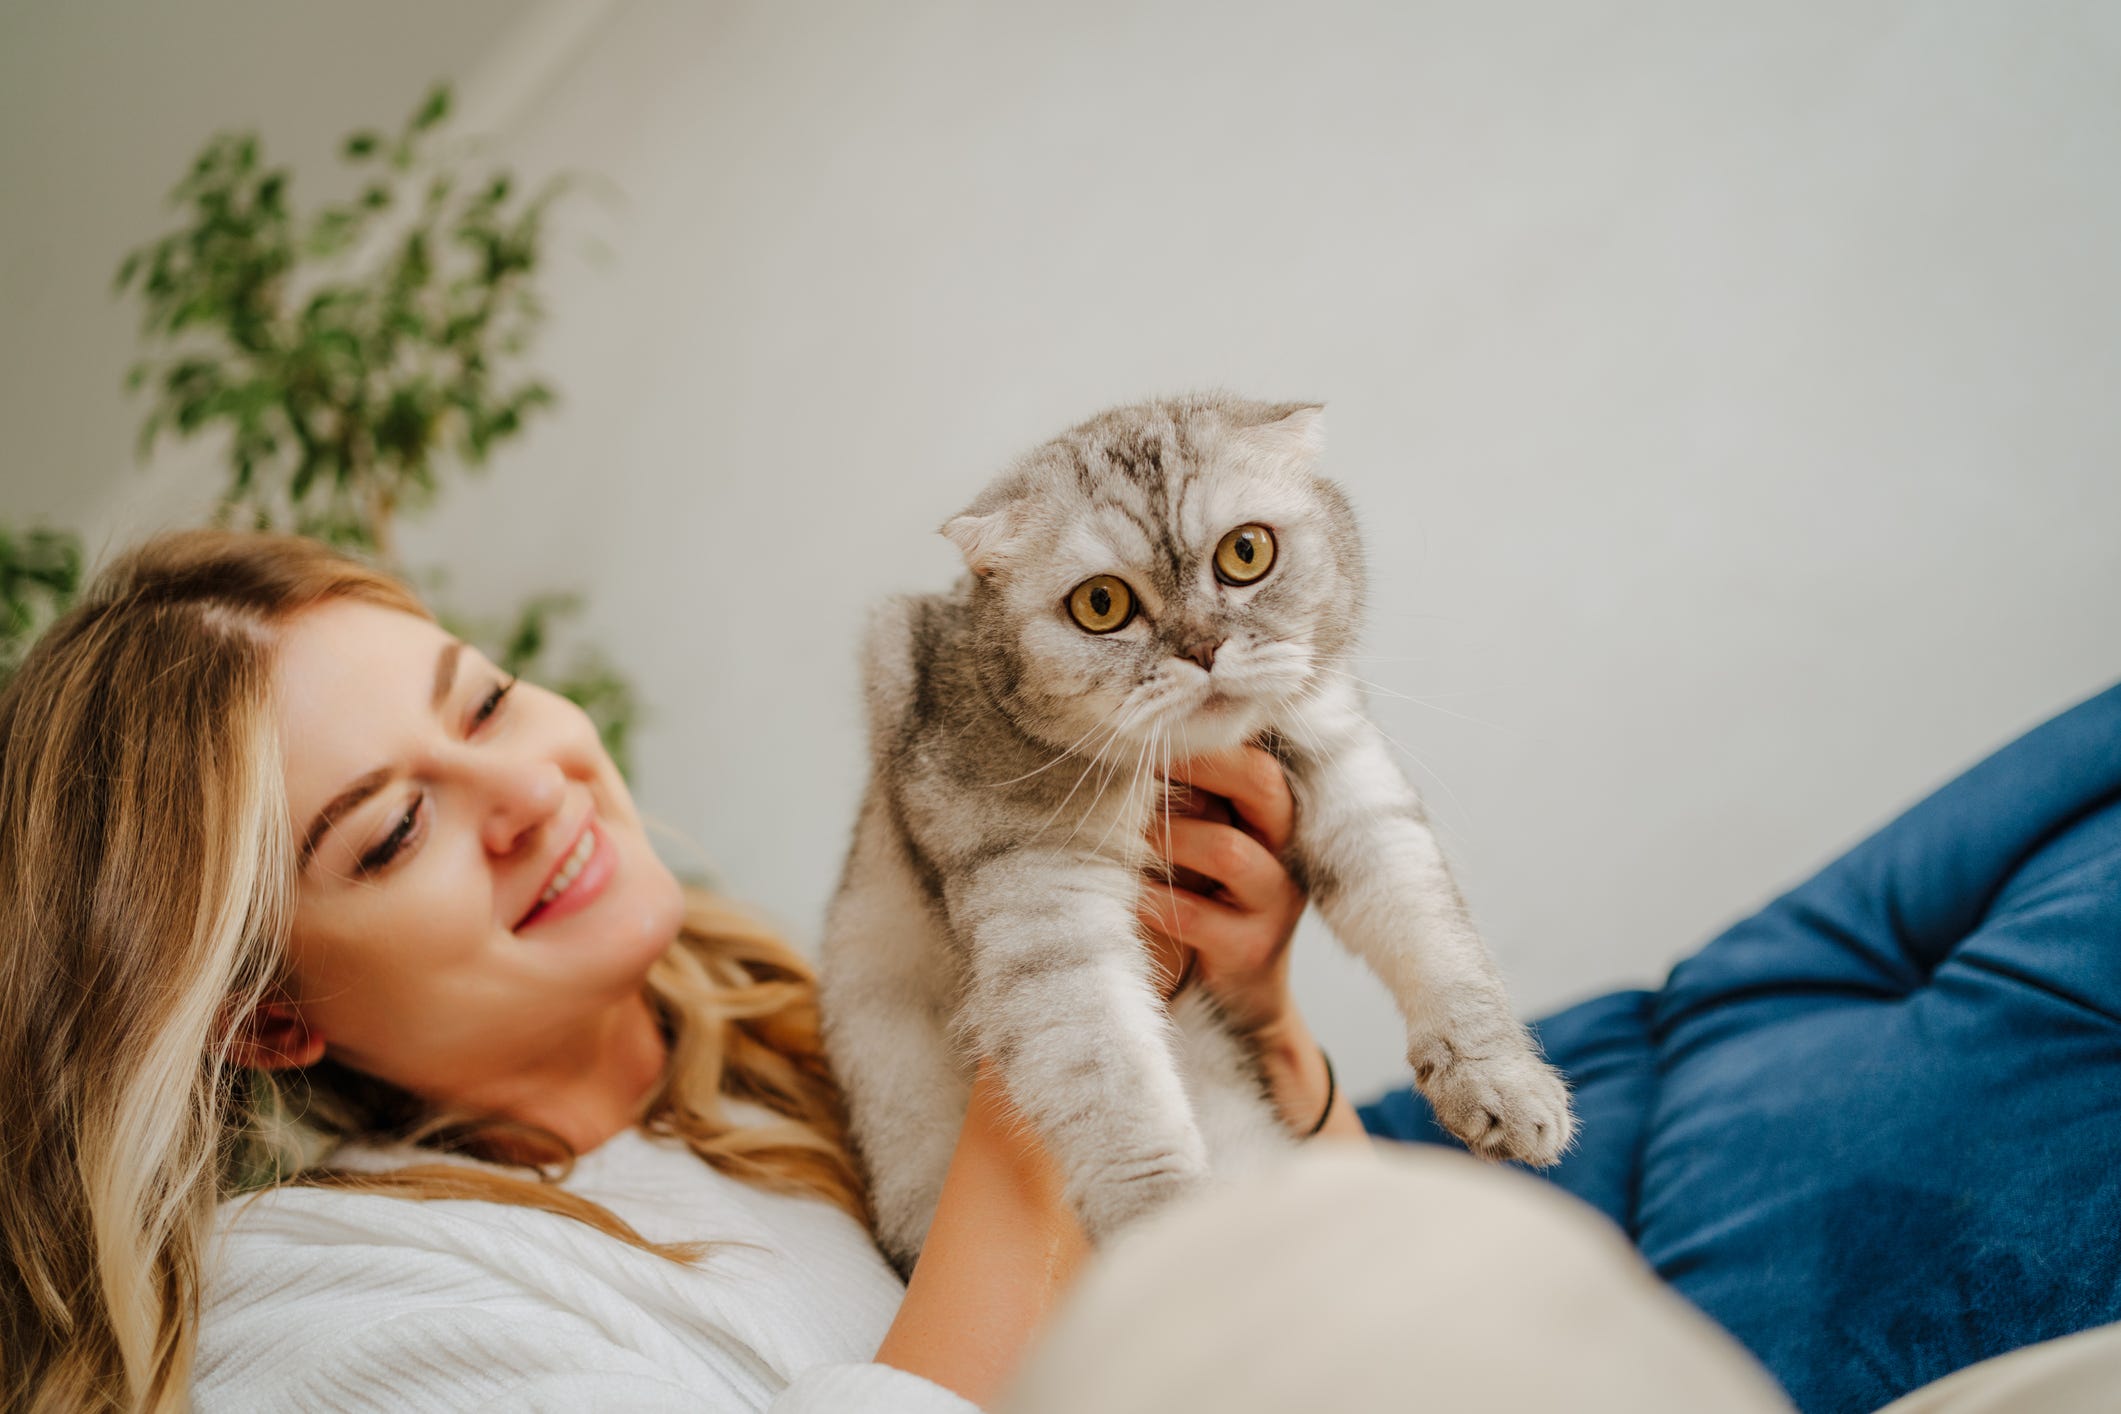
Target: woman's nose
[522, 794]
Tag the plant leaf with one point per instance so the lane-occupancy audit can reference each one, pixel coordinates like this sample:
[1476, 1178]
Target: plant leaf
[433, 110]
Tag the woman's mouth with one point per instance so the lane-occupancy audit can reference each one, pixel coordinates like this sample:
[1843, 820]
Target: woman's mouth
[579, 879]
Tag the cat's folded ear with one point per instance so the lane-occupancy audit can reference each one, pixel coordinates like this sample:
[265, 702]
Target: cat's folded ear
[1294, 432]
[980, 536]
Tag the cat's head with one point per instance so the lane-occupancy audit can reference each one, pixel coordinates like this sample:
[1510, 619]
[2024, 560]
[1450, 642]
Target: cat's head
[1176, 568]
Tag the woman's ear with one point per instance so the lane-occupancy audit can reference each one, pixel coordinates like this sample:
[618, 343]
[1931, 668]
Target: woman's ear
[275, 1037]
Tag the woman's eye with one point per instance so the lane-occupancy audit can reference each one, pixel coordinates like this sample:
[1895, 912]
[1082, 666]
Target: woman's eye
[492, 704]
[382, 854]
[394, 843]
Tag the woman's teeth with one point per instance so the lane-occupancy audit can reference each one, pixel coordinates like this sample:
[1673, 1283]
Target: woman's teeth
[579, 857]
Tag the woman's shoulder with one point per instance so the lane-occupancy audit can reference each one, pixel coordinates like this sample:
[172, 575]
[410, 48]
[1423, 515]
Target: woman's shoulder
[333, 1298]
[459, 1301]
[329, 1299]
[299, 1240]
[329, 1278]
[343, 1223]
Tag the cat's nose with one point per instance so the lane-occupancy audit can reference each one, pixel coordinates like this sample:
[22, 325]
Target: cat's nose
[1203, 652]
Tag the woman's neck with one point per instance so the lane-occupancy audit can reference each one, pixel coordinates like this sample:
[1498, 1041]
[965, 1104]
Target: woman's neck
[587, 1092]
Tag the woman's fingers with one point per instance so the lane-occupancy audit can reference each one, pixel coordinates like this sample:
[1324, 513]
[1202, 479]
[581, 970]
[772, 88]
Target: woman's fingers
[1223, 893]
[1253, 783]
[1239, 913]
[1201, 924]
[1243, 868]
[1181, 799]
[1239, 952]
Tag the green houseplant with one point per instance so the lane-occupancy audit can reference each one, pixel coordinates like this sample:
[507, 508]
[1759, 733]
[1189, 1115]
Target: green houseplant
[40, 571]
[350, 357]
[349, 353]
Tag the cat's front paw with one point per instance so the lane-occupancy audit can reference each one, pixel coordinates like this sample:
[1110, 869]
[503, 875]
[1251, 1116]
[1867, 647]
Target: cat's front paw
[1123, 1193]
[1505, 1104]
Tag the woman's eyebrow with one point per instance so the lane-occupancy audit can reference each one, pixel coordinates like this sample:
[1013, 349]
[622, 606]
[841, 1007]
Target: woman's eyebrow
[344, 801]
[368, 785]
[446, 672]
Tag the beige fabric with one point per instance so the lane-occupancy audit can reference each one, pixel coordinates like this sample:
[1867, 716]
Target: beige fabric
[1357, 1279]
[2078, 1374]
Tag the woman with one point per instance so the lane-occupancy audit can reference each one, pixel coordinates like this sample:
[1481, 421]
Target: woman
[302, 898]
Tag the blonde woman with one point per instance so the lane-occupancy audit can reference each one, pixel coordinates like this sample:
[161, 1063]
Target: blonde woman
[360, 1053]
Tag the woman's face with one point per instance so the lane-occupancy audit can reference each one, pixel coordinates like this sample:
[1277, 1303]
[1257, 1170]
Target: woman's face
[477, 897]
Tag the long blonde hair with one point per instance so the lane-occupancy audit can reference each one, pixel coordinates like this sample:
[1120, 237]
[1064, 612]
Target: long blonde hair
[147, 878]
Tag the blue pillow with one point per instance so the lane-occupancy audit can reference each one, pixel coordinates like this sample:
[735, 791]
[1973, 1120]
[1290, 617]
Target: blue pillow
[1875, 1129]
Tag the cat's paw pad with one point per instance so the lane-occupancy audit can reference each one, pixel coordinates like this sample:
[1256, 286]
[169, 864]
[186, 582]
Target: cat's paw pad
[1124, 1193]
[1506, 1104]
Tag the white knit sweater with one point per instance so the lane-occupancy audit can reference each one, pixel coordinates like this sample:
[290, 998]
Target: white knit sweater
[348, 1301]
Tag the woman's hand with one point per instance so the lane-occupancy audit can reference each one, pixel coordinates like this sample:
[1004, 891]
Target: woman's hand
[1229, 907]
[1229, 910]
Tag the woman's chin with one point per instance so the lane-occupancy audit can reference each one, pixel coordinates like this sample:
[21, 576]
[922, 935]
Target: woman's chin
[613, 943]
[657, 917]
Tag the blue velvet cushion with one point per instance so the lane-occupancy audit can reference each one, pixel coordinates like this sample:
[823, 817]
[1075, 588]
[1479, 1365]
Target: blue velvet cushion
[1875, 1129]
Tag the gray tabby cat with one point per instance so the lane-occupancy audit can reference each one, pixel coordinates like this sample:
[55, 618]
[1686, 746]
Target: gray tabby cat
[1164, 580]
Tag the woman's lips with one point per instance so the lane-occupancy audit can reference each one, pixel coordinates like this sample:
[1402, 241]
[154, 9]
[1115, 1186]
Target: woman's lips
[594, 875]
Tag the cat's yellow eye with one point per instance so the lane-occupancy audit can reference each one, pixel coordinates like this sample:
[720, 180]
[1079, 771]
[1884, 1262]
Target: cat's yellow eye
[1102, 603]
[1245, 555]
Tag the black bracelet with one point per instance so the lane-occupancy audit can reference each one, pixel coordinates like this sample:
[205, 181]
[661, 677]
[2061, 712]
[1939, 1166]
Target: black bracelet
[1332, 1090]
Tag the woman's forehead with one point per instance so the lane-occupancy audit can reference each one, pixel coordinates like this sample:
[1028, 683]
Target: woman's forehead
[348, 677]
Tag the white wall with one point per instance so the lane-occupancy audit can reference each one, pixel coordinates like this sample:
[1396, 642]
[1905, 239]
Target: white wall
[1727, 391]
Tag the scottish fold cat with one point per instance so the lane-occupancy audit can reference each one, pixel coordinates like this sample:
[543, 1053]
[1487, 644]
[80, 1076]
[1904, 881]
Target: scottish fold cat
[1166, 579]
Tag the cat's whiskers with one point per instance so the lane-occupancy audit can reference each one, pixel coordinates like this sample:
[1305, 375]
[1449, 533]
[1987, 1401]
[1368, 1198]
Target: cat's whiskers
[1118, 730]
[1456, 803]
[1066, 752]
[1385, 658]
[1425, 767]
[1170, 870]
[1296, 724]
[1126, 804]
[1327, 667]
[1145, 708]
[1380, 688]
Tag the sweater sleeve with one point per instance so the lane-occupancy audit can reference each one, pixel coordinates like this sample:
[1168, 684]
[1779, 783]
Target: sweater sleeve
[822, 1389]
[860, 1389]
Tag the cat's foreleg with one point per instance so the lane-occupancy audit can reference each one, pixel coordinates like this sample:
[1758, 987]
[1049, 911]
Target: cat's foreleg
[886, 989]
[1378, 875]
[1062, 1004]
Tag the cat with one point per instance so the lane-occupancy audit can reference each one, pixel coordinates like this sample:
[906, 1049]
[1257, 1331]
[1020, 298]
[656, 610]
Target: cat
[1166, 579]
